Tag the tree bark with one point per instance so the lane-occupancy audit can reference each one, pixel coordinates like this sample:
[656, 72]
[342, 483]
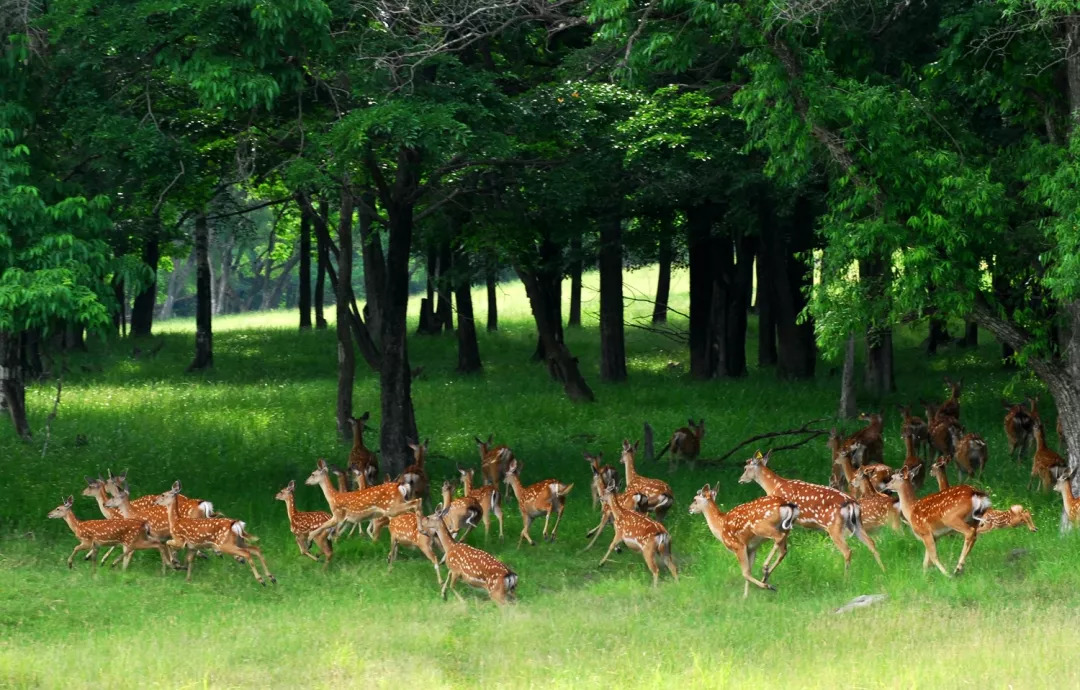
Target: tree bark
[573, 320]
[427, 324]
[663, 280]
[612, 337]
[120, 316]
[322, 253]
[346, 359]
[204, 337]
[12, 386]
[938, 336]
[303, 300]
[971, 334]
[765, 310]
[492, 303]
[848, 403]
[444, 311]
[374, 268]
[699, 222]
[468, 346]
[880, 380]
[142, 311]
[797, 352]
[735, 322]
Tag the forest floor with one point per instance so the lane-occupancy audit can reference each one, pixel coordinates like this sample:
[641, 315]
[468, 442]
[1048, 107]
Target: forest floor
[237, 434]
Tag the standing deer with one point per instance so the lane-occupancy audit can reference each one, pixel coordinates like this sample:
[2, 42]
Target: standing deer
[917, 427]
[957, 509]
[1000, 519]
[487, 496]
[637, 502]
[415, 475]
[970, 454]
[405, 529]
[1071, 503]
[360, 456]
[745, 527]
[870, 439]
[303, 524]
[542, 498]
[640, 533]
[130, 534]
[819, 506]
[658, 493]
[493, 460]
[477, 568]
[951, 407]
[462, 512]
[685, 444]
[1018, 429]
[1046, 463]
[912, 462]
[603, 475]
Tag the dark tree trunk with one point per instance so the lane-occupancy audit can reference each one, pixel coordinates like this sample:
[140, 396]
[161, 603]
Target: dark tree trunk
[880, 380]
[120, 316]
[322, 253]
[939, 335]
[492, 303]
[74, 337]
[562, 365]
[204, 337]
[304, 297]
[734, 364]
[848, 403]
[663, 281]
[549, 277]
[574, 318]
[723, 269]
[427, 324]
[765, 309]
[12, 386]
[796, 354]
[612, 340]
[699, 222]
[142, 312]
[444, 312]
[468, 347]
[346, 358]
[971, 334]
[374, 268]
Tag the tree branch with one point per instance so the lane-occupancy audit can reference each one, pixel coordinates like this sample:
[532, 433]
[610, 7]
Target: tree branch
[804, 429]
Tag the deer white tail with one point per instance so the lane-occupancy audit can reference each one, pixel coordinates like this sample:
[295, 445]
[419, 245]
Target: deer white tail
[238, 528]
[663, 501]
[788, 513]
[206, 508]
[852, 515]
[511, 581]
[663, 540]
[980, 503]
[494, 499]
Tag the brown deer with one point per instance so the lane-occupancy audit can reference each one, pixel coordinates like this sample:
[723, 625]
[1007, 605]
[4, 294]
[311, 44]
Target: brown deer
[877, 473]
[487, 496]
[1001, 519]
[937, 471]
[943, 429]
[95, 488]
[659, 494]
[360, 456]
[951, 407]
[542, 498]
[1018, 429]
[640, 533]
[745, 527]
[603, 475]
[154, 517]
[464, 513]
[917, 427]
[475, 567]
[130, 534]
[870, 439]
[819, 506]
[637, 502]
[877, 509]
[382, 500]
[957, 509]
[912, 461]
[223, 535]
[493, 460]
[405, 530]
[836, 445]
[302, 524]
[970, 453]
[1071, 502]
[1046, 464]
[685, 444]
[188, 507]
[415, 475]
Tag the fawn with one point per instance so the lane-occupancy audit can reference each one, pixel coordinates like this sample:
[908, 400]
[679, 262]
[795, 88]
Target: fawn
[951, 407]
[155, 517]
[970, 453]
[302, 524]
[685, 444]
[1000, 519]
[912, 461]
[477, 568]
[603, 475]
[876, 473]
[937, 471]
[493, 460]
[405, 529]
[415, 475]
[1018, 429]
[1046, 465]
[188, 507]
[383, 500]
[877, 509]
[659, 493]
[745, 527]
[131, 534]
[360, 456]
[640, 533]
[637, 502]
[542, 498]
[462, 512]
[487, 496]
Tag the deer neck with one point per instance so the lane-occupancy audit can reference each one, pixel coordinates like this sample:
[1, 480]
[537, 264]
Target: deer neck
[466, 482]
[1066, 495]
[99, 496]
[906, 492]
[631, 473]
[515, 484]
[447, 497]
[72, 522]
[768, 480]
[171, 511]
[328, 491]
[290, 507]
[714, 518]
[909, 446]
[1040, 438]
[845, 464]
[444, 536]
[418, 459]
[942, 479]
[358, 438]
[125, 508]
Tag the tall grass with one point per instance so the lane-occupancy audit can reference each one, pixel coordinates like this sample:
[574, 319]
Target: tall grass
[265, 413]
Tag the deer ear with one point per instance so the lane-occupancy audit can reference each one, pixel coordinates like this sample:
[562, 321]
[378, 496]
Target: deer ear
[69, 501]
[176, 486]
[89, 480]
[292, 484]
[427, 442]
[637, 443]
[321, 464]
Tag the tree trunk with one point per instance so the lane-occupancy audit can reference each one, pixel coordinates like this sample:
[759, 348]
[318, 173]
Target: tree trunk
[304, 296]
[848, 404]
[797, 353]
[939, 335]
[204, 339]
[765, 311]
[879, 351]
[177, 280]
[120, 316]
[612, 337]
[734, 364]
[549, 276]
[444, 311]
[971, 334]
[12, 387]
[427, 324]
[663, 280]
[492, 303]
[468, 347]
[346, 359]
[322, 253]
[142, 311]
[574, 318]
[699, 222]
[374, 268]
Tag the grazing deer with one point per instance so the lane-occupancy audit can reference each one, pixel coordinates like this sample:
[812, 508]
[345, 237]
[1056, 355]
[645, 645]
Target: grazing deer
[475, 567]
[640, 533]
[405, 530]
[870, 439]
[415, 475]
[223, 535]
[302, 524]
[970, 453]
[1000, 519]
[937, 471]
[912, 462]
[463, 512]
[541, 498]
[685, 444]
[819, 506]
[876, 509]
[1018, 429]
[659, 493]
[130, 534]
[487, 496]
[917, 427]
[951, 407]
[188, 507]
[1046, 464]
[745, 527]
[603, 475]
[382, 500]
[637, 502]
[360, 456]
[1071, 502]
[957, 509]
[493, 460]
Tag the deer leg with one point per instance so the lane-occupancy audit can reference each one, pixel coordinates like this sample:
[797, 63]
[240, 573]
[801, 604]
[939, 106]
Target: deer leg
[499, 516]
[614, 543]
[323, 540]
[595, 532]
[837, 535]
[525, 530]
[258, 554]
[649, 552]
[669, 560]
[866, 539]
[426, 550]
[779, 549]
[235, 550]
[305, 548]
[970, 534]
[190, 562]
[103, 558]
[392, 555]
[485, 517]
[129, 551]
[558, 519]
[746, 564]
[931, 553]
[547, 518]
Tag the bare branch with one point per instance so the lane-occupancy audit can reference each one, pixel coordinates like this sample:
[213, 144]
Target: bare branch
[804, 429]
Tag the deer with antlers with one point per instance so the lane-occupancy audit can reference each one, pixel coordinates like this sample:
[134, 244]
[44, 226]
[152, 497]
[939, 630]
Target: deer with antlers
[1047, 464]
[415, 475]
[475, 567]
[1018, 429]
[405, 530]
[602, 475]
[360, 456]
[542, 498]
[685, 445]
[463, 513]
[1015, 516]
[820, 507]
[487, 496]
[745, 527]
[660, 497]
[877, 509]
[303, 523]
[132, 535]
[382, 500]
[640, 533]
[956, 509]
[493, 460]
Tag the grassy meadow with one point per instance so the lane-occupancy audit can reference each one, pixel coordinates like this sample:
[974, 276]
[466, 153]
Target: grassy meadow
[237, 434]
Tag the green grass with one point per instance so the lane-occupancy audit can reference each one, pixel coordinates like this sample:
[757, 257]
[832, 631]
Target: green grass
[265, 413]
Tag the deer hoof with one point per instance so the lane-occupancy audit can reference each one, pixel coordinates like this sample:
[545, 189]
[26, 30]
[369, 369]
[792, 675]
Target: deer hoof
[273, 579]
[771, 588]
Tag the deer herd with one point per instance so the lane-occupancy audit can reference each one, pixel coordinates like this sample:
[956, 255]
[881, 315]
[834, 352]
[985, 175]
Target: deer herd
[863, 494]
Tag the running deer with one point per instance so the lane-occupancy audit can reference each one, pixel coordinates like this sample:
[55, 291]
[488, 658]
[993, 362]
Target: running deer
[95, 488]
[493, 460]
[475, 567]
[685, 444]
[130, 534]
[877, 509]
[463, 512]
[154, 517]
[912, 461]
[957, 509]
[637, 502]
[487, 496]
[1046, 464]
[602, 476]
[405, 530]
[415, 475]
[970, 453]
[917, 427]
[382, 500]
[541, 498]
[820, 507]
[1071, 502]
[745, 527]
[360, 456]
[877, 473]
[188, 507]
[951, 407]
[302, 524]
[658, 493]
[1018, 429]
[1001, 519]
[938, 472]
[640, 533]
[870, 438]
[223, 535]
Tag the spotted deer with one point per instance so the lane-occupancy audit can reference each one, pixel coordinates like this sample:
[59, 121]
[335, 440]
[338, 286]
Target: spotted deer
[957, 509]
[637, 502]
[685, 444]
[912, 461]
[877, 473]
[836, 445]
[820, 507]
[360, 456]
[938, 472]
[951, 407]
[223, 535]
[130, 534]
[405, 531]
[877, 509]
[542, 498]
[602, 476]
[640, 533]
[1001, 519]
[917, 427]
[382, 500]
[1018, 429]
[870, 439]
[303, 523]
[970, 453]
[188, 507]
[659, 494]
[493, 460]
[1046, 465]
[463, 514]
[745, 527]
[415, 475]
[1070, 502]
[475, 567]
[487, 496]
[95, 488]
[155, 517]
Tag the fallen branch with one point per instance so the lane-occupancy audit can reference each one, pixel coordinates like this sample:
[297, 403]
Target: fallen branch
[52, 415]
[804, 429]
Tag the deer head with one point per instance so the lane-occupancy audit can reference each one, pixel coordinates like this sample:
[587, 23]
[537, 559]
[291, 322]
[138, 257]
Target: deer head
[322, 471]
[701, 500]
[63, 509]
[754, 466]
[289, 489]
